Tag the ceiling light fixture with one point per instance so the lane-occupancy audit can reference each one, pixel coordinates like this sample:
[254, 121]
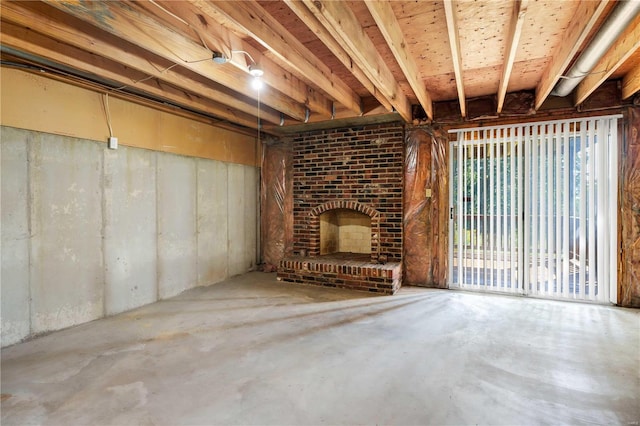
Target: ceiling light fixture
[220, 58]
[253, 67]
[255, 70]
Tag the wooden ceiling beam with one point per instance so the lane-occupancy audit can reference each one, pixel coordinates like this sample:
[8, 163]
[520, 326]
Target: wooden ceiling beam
[343, 24]
[250, 18]
[385, 18]
[309, 19]
[123, 21]
[456, 55]
[382, 117]
[42, 19]
[27, 41]
[582, 23]
[147, 102]
[513, 39]
[75, 34]
[220, 39]
[631, 82]
[625, 46]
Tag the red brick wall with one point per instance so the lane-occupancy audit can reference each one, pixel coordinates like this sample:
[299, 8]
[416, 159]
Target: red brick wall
[357, 164]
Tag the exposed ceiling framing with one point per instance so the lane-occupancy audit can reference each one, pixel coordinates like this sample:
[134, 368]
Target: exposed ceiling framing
[323, 60]
[456, 57]
[511, 48]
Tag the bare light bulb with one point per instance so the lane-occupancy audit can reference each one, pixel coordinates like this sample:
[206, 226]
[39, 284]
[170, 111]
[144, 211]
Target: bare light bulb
[256, 83]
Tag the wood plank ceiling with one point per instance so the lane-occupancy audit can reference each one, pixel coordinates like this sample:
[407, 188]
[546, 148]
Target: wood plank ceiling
[322, 60]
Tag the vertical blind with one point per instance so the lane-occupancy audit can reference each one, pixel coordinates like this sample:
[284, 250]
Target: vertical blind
[534, 209]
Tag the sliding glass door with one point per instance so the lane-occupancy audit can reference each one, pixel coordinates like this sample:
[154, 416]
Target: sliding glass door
[533, 209]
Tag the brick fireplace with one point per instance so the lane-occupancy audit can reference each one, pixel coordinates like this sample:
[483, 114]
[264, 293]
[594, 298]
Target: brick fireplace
[347, 209]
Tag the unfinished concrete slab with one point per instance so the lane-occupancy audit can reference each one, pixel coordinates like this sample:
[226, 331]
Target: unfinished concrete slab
[251, 350]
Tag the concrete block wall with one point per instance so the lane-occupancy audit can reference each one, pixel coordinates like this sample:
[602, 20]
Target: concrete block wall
[88, 232]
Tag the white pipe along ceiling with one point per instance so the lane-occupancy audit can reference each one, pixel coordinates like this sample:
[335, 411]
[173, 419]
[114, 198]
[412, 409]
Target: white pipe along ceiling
[616, 23]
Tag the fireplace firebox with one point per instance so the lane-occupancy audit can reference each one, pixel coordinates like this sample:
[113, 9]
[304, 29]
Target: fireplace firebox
[345, 231]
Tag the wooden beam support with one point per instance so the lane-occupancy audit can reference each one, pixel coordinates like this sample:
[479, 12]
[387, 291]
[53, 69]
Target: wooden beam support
[342, 23]
[184, 15]
[335, 124]
[150, 103]
[40, 18]
[385, 18]
[512, 40]
[336, 48]
[631, 82]
[123, 21]
[625, 46]
[583, 22]
[250, 18]
[52, 23]
[27, 41]
[456, 56]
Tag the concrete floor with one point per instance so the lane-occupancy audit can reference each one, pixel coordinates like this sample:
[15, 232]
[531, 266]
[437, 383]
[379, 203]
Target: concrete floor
[252, 350]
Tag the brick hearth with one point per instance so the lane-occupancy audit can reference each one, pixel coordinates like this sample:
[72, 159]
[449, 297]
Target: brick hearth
[342, 272]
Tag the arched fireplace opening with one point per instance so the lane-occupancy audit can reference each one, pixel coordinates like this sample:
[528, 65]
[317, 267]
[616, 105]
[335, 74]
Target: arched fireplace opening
[349, 230]
[345, 231]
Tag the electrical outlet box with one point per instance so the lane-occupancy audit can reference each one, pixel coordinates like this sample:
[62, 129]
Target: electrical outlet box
[112, 143]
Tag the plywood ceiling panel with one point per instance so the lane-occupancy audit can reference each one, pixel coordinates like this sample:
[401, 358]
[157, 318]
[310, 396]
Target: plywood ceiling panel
[426, 33]
[442, 86]
[526, 74]
[483, 26]
[545, 24]
[289, 20]
[482, 81]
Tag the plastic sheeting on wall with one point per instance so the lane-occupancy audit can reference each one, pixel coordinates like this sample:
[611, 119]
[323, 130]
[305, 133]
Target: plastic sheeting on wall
[277, 204]
[425, 215]
[629, 277]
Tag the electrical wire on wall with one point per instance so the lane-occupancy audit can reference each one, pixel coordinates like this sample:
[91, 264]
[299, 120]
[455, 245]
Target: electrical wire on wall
[112, 141]
[107, 113]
